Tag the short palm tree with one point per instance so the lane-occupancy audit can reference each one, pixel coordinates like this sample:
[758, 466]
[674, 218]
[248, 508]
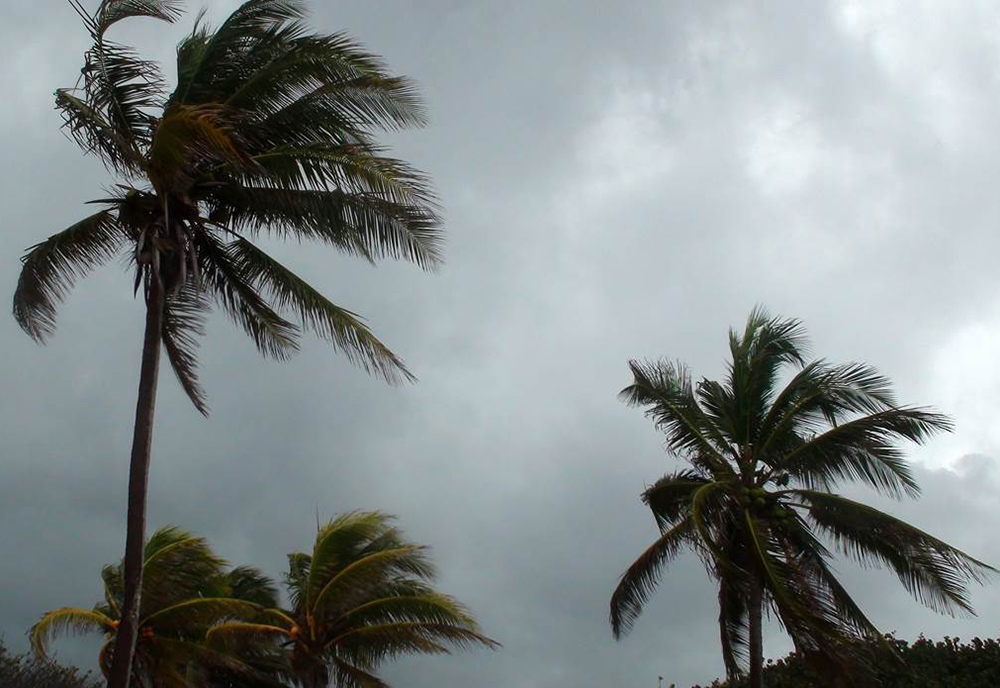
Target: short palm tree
[362, 596]
[268, 132]
[756, 498]
[186, 589]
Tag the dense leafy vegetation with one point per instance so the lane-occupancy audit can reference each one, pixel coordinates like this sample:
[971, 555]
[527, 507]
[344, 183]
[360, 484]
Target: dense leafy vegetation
[947, 663]
[29, 671]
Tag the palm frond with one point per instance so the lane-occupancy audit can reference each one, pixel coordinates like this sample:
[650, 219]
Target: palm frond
[67, 620]
[812, 626]
[359, 224]
[822, 395]
[189, 137]
[733, 625]
[284, 64]
[863, 449]
[207, 57]
[183, 322]
[809, 556]
[273, 335]
[114, 590]
[669, 498]
[50, 269]
[95, 135]
[345, 540]
[229, 636]
[178, 566]
[349, 676]
[665, 390]
[430, 607]
[708, 511]
[353, 167]
[639, 581]
[765, 347]
[932, 571]
[250, 584]
[184, 656]
[120, 89]
[406, 637]
[334, 324]
[199, 613]
[356, 577]
[297, 580]
[111, 12]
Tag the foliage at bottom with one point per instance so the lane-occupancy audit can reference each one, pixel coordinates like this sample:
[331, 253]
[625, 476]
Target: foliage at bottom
[947, 663]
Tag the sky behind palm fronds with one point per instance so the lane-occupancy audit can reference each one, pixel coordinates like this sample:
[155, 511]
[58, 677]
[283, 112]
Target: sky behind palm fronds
[617, 184]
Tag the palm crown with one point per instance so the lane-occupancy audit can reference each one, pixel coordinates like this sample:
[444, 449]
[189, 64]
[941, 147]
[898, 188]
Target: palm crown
[268, 132]
[186, 590]
[755, 500]
[362, 596]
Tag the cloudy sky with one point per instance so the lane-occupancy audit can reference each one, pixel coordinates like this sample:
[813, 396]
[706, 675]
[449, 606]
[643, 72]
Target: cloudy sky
[618, 183]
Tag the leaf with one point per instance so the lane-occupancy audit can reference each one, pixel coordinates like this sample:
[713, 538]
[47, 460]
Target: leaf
[273, 335]
[184, 321]
[640, 579]
[111, 12]
[931, 570]
[50, 269]
[363, 225]
[199, 613]
[334, 324]
[862, 449]
[67, 620]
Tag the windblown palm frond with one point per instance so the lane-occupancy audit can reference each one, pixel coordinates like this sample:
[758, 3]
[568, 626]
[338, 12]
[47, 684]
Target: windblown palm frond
[51, 268]
[751, 504]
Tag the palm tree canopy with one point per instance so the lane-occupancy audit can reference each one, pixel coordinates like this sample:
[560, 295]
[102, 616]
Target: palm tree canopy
[362, 596]
[268, 132]
[756, 496]
[186, 590]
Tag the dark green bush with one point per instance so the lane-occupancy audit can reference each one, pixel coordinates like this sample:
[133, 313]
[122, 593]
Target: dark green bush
[27, 671]
[947, 663]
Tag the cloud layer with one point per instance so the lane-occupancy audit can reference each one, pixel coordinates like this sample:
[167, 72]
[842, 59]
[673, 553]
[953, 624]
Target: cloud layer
[617, 184]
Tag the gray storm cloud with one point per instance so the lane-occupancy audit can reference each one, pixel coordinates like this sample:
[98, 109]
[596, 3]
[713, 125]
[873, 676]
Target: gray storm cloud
[617, 184]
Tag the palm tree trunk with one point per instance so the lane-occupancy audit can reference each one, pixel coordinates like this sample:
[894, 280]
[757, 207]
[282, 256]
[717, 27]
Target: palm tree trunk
[138, 476]
[756, 638]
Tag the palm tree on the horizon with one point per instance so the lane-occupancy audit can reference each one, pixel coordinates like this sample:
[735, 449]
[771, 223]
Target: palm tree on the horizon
[363, 595]
[269, 131]
[756, 502]
[186, 590]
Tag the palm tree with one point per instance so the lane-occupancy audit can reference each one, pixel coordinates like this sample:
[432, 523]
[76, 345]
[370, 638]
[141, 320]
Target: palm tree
[361, 597]
[756, 499]
[186, 589]
[268, 132]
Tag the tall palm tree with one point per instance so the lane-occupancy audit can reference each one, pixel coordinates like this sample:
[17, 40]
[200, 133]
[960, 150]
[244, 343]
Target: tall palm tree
[362, 596]
[186, 589]
[268, 132]
[756, 498]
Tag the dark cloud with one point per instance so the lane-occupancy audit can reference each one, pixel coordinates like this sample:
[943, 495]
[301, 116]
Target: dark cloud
[617, 183]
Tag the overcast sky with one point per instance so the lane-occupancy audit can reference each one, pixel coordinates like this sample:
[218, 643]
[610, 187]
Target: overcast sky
[620, 180]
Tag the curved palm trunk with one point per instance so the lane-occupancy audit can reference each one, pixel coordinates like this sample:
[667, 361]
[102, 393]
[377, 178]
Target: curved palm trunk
[138, 476]
[756, 637]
